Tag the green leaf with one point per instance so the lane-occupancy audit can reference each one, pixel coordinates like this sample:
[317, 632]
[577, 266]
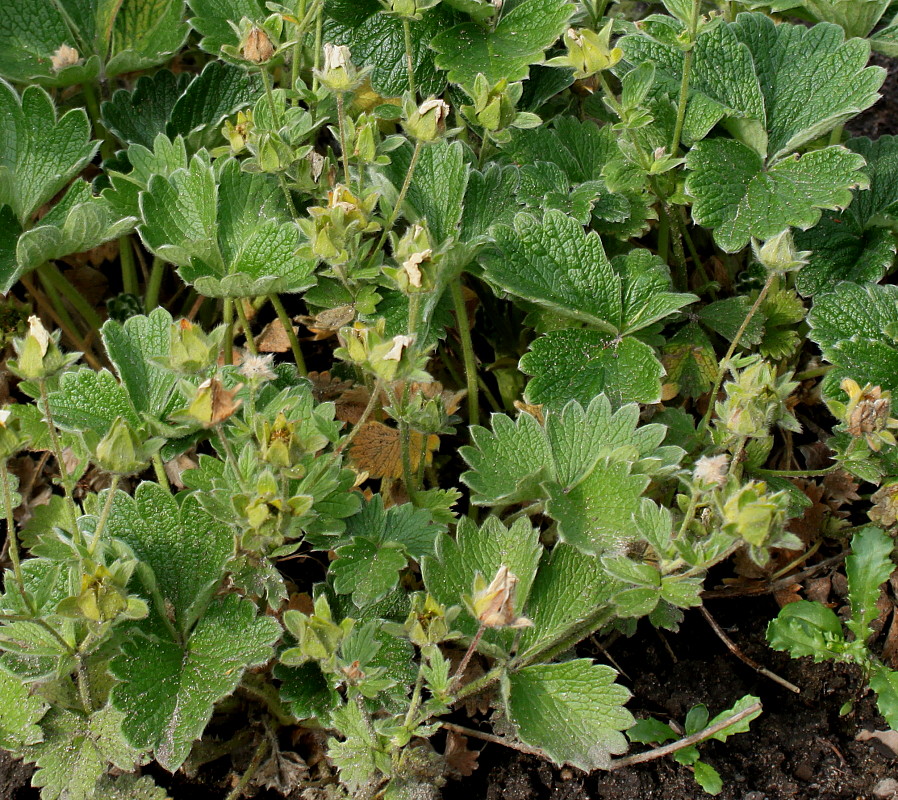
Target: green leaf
[90, 401]
[519, 39]
[76, 752]
[210, 19]
[377, 40]
[367, 570]
[146, 33]
[570, 588]
[856, 244]
[166, 157]
[20, 711]
[140, 115]
[573, 711]
[759, 199]
[805, 628]
[184, 548]
[551, 262]
[129, 787]
[598, 514]
[437, 190]
[135, 349]
[127, 36]
[690, 361]
[168, 689]
[489, 200]
[510, 463]
[777, 86]
[77, 223]
[884, 682]
[577, 364]
[414, 529]
[39, 154]
[230, 236]
[219, 91]
[651, 731]
[867, 568]
[707, 777]
[848, 324]
[737, 727]
[449, 575]
[357, 755]
[306, 690]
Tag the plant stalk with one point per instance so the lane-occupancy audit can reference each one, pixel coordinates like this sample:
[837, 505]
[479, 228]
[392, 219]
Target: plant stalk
[409, 57]
[467, 349]
[287, 325]
[104, 515]
[725, 363]
[64, 475]
[12, 539]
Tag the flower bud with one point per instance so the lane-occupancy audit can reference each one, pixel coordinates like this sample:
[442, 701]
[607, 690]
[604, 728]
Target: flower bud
[192, 350]
[752, 514]
[588, 52]
[778, 254]
[494, 106]
[427, 122]
[122, 452]
[257, 46]
[409, 9]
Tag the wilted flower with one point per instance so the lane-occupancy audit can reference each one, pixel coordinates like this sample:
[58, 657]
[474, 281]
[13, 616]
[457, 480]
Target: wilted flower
[427, 122]
[399, 344]
[711, 471]
[213, 403]
[339, 74]
[257, 46]
[258, 368]
[493, 605]
[867, 414]
[885, 510]
[65, 56]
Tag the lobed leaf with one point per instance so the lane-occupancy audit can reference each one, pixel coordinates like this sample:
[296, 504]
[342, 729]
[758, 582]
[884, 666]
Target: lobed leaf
[573, 711]
[167, 689]
[520, 39]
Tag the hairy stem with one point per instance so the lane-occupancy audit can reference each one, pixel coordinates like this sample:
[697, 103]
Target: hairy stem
[154, 284]
[64, 475]
[684, 82]
[247, 330]
[341, 122]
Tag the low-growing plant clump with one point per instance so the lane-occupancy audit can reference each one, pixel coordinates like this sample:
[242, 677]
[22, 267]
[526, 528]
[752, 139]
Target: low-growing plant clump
[259, 483]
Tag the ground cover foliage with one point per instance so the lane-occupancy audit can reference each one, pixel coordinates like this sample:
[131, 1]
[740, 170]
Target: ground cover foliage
[249, 478]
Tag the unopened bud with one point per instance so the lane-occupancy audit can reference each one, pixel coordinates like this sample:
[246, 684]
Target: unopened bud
[778, 254]
[588, 52]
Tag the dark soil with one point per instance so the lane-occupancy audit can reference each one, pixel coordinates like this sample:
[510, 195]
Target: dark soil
[800, 748]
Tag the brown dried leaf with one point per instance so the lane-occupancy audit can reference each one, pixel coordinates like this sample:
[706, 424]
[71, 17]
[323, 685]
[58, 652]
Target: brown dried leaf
[840, 489]
[459, 758]
[273, 338]
[326, 387]
[376, 450]
[326, 323]
[283, 771]
[818, 589]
